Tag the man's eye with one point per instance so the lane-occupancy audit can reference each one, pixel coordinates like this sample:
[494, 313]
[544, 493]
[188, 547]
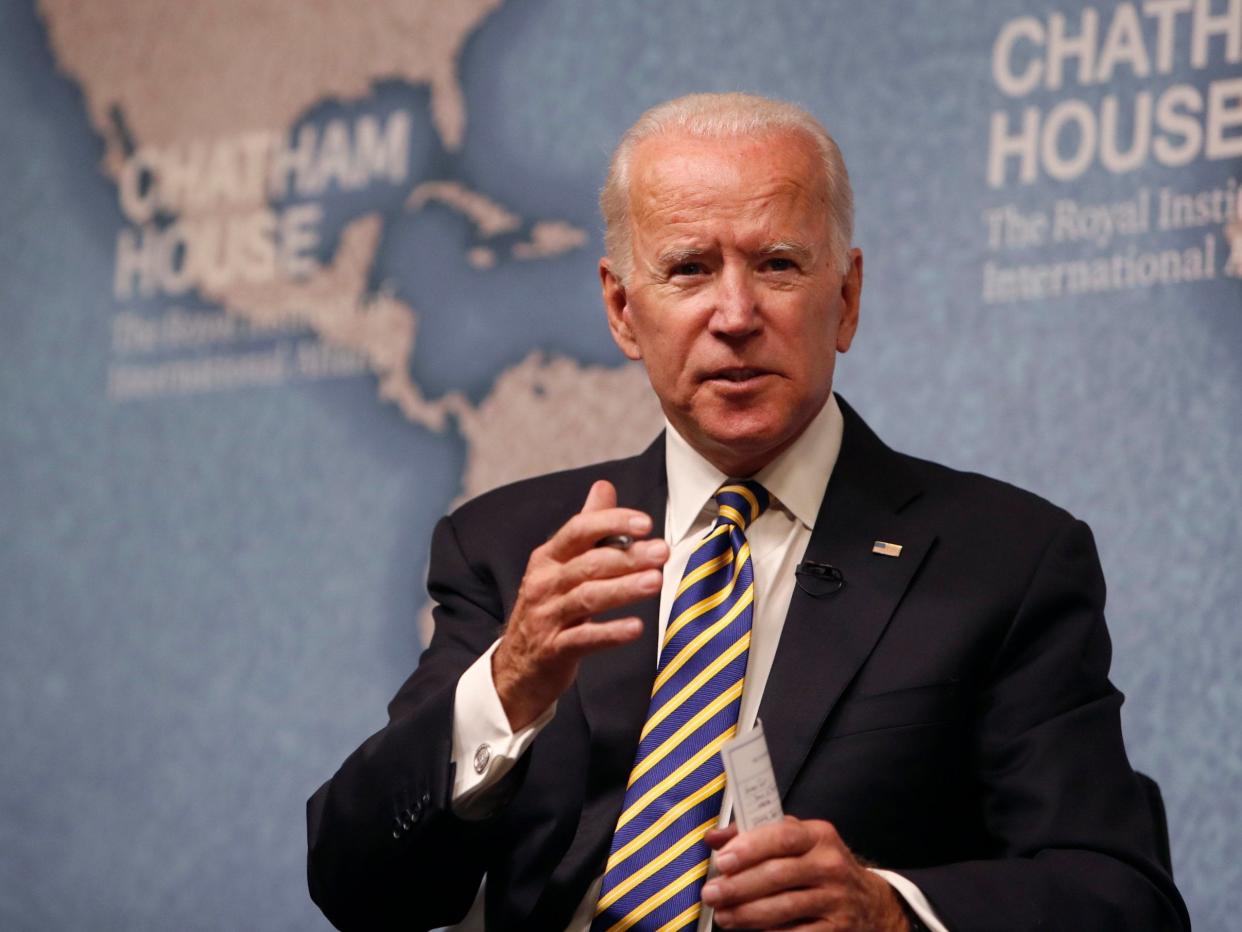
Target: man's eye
[688, 268]
[778, 264]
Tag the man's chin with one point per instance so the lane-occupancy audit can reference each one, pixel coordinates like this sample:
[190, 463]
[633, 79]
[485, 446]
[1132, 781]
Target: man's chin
[741, 449]
[740, 439]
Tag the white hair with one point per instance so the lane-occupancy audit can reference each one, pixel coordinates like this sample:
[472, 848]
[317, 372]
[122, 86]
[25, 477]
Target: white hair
[721, 116]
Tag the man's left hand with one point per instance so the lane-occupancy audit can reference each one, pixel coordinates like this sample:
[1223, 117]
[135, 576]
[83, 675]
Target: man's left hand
[797, 874]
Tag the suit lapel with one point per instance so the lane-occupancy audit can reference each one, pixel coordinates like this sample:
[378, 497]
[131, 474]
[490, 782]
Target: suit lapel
[826, 640]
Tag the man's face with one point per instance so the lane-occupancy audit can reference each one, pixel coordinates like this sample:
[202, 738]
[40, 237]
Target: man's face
[736, 303]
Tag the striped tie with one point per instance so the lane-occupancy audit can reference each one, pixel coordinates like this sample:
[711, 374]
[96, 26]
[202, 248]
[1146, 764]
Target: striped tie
[658, 857]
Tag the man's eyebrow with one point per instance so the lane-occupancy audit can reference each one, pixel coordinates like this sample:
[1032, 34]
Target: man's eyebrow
[786, 248]
[674, 255]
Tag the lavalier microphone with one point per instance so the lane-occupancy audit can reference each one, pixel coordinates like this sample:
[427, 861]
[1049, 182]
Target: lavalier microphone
[819, 579]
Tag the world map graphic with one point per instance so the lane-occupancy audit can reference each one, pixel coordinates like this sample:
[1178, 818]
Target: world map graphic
[546, 412]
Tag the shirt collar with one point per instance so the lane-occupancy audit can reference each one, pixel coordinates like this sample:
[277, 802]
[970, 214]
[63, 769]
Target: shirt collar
[797, 479]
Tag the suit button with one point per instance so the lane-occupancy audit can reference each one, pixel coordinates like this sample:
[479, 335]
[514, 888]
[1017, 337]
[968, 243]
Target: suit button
[425, 799]
[396, 833]
[417, 811]
[482, 757]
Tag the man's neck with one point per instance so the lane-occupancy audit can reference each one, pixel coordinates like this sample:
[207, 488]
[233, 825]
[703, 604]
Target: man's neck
[797, 476]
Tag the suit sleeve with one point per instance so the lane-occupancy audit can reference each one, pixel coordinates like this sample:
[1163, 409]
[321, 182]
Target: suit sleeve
[1074, 845]
[385, 849]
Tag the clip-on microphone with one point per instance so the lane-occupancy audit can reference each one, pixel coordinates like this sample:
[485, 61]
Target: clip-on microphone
[819, 579]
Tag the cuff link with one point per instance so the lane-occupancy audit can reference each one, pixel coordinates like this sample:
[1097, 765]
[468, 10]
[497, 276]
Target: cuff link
[482, 757]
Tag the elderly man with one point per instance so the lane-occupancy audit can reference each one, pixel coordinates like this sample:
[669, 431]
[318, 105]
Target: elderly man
[926, 648]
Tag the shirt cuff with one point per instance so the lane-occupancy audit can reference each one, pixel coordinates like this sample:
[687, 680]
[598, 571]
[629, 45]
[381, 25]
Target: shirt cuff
[908, 890]
[485, 748]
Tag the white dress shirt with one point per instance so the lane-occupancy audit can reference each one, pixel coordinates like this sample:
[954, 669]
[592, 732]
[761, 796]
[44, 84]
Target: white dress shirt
[484, 747]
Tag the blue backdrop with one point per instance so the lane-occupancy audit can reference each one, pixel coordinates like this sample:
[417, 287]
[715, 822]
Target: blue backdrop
[279, 287]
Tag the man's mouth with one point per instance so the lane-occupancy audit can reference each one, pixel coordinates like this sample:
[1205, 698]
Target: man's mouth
[736, 374]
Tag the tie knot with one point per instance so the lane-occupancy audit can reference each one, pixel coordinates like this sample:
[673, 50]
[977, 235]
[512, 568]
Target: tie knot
[740, 502]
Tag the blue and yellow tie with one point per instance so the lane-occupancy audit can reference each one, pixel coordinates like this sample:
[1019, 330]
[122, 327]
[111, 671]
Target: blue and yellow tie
[658, 857]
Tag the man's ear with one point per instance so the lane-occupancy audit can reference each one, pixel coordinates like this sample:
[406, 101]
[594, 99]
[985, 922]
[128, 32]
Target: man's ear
[851, 301]
[616, 304]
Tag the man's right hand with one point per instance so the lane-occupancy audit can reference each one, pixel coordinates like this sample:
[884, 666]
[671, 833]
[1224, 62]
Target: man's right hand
[567, 580]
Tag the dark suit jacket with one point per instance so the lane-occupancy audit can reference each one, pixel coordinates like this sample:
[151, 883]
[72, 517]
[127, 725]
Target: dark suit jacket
[949, 710]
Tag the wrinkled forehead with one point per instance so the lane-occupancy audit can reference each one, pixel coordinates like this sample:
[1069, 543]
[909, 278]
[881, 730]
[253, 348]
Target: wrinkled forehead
[676, 178]
[676, 156]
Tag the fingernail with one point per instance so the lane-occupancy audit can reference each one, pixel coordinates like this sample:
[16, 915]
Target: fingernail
[711, 893]
[726, 863]
[640, 524]
[652, 580]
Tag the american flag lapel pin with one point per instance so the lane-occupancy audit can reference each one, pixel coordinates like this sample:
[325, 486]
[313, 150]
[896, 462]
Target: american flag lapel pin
[885, 549]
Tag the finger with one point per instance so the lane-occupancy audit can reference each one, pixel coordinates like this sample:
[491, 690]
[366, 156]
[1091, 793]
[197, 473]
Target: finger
[787, 838]
[717, 838]
[581, 532]
[600, 595]
[603, 494]
[789, 909]
[586, 639]
[608, 562]
[772, 877]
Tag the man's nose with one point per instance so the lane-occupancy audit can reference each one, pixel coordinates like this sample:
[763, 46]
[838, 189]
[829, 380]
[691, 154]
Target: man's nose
[736, 312]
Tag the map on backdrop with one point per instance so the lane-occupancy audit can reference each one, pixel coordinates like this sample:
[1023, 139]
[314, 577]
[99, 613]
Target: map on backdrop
[286, 281]
[219, 182]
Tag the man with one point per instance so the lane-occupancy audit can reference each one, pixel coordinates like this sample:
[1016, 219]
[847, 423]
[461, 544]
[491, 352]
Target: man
[926, 649]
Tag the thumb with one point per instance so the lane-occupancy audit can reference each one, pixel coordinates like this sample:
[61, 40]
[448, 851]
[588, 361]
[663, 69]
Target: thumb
[717, 838]
[603, 495]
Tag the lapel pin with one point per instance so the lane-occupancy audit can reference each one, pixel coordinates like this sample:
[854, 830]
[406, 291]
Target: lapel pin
[885, 549]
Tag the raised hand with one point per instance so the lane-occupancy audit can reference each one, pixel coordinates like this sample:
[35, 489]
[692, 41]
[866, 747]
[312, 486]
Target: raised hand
[567, 581]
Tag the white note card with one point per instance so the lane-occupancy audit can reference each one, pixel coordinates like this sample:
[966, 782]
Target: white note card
[756, 799]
